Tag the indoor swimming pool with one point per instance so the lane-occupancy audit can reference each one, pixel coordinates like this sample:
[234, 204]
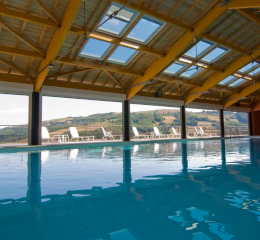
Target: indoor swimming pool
[197, 190]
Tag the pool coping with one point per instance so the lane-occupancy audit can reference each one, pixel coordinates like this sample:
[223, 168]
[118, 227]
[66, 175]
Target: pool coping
[77, 145]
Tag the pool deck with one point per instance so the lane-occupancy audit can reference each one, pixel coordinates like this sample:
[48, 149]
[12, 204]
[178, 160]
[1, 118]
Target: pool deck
[73, 145]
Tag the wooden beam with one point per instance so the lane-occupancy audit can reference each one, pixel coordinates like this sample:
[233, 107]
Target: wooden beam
[250, 15]
[175, 50]
[69, 72]
[218, 77]
[47, 11]
[99, 66]
[243, 93]
[154, 14]
[21, 38]
[4, 11]
[239, 4]
[114, 79]
[11, 65]
[57, 40]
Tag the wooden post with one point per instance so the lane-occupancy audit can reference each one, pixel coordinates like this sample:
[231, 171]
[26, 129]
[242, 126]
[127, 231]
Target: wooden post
[183, 122]
[126, 121]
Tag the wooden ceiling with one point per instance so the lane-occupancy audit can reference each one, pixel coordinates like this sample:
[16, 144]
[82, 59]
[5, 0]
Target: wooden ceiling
[36, 32]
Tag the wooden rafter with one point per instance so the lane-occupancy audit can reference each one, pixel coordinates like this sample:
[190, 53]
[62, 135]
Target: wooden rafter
[218, 77]
[240, 4]
[55, 45]
[21, 37]
[158, 16]
[69, 72]
[47, 11]
[114, 79]
[11, 65]
[162, 62]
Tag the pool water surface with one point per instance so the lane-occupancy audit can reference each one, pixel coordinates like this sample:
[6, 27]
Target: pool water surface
[193, 190]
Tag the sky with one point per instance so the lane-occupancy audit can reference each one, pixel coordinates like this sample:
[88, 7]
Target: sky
[15, 109]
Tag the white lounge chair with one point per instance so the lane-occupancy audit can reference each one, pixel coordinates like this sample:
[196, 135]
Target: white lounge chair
[158, 134]
[46, 135]
[75, 135]
[137, 135]
[203, 133]
[109, 136]
[197, 132]
[175, 134]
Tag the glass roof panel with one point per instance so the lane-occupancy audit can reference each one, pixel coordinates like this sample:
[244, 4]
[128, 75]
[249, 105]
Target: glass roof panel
[248, 67]
[227, 80]
[192, 71]
[175, 68]
[122, 55]
[95, 49]
[202, 47]
[255, 72]
[215, 54]
[237, 82]
[144, 30]
[120, 22]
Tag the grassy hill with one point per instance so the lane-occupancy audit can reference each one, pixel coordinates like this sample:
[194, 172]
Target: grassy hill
[144, 121]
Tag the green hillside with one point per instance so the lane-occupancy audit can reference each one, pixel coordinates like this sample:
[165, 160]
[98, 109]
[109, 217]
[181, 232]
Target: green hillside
[144, 121]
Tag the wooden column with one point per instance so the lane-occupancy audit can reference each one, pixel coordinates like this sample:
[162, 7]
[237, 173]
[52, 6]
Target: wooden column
[250, 124]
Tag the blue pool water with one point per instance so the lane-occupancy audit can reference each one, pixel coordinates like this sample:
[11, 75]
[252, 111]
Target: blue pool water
[198, 190]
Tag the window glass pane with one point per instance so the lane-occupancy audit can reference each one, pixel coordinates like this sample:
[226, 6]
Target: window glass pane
[215, 54]
[237, 82]
[113, 25]
[95, 48]
[191, 72]
[202, 46]
[122, 55]
[227, 80]
[118, 24]
[248, 67]
[175, 68]
[255, 72]
[143, 30]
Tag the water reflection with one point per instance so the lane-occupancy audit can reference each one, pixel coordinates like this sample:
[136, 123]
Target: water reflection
[164, 191]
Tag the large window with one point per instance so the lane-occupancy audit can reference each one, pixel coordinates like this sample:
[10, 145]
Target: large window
[199, 49]
[149, 122]
[202, 123]
[236, 124]
[76, 120]
[14, 119]
[122, 55]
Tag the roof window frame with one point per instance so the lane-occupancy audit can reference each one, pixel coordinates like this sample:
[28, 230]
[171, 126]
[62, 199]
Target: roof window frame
[152, 35]
[136, 14]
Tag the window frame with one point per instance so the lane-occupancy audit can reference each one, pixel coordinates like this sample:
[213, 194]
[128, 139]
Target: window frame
[97, 58]
[136, 14]
[162, 24]
[194, 74]
[203, 52]
[180, 70]
[227, 50]
[128, 60]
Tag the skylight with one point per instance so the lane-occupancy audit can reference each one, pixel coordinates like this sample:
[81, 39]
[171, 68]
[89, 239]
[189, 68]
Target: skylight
[248, 67]
[95, 49]
[175, 68]
[145, 29]
[122, 55]
[215, 54]
[119, 24]
[227, 80]
[255, 72]
[192, 71]
[237, 82]
[202, 47]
